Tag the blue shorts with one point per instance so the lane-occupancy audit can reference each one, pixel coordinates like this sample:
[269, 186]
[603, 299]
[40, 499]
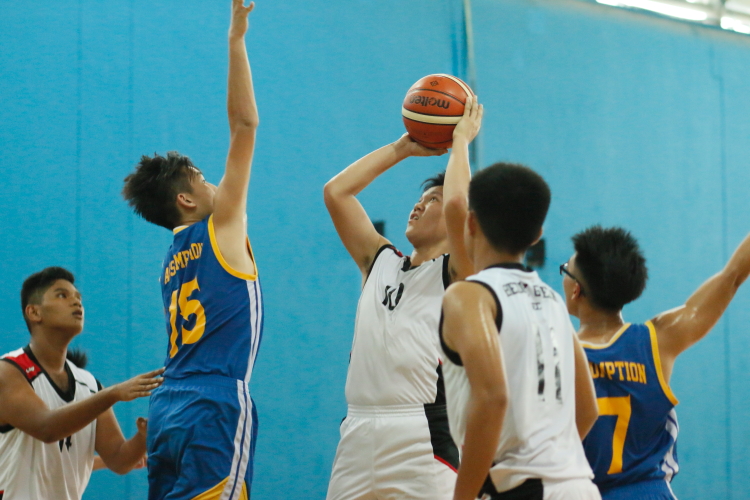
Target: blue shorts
[201, 439]
[657, 489]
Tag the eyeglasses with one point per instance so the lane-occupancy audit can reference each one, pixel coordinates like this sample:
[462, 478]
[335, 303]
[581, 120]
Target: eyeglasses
[564, 270]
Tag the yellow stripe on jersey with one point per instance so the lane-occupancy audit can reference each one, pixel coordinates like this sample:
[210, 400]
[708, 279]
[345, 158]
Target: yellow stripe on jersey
[657, 364]
[611, 341]
[223, 262]
[215, 492]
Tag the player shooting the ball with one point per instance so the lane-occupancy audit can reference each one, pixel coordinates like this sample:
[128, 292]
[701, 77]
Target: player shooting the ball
[395, 441]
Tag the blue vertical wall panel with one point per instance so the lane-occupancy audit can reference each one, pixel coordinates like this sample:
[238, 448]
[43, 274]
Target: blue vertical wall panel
[104, 220]
[737, 132]
[38, 144]
[634, 120]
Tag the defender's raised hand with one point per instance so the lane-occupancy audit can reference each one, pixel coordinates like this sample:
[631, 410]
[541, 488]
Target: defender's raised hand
[139, 386]
[239, 25]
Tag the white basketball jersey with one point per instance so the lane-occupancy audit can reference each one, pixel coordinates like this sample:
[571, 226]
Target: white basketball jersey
[32, 469]
[539, 438]
[395, 356]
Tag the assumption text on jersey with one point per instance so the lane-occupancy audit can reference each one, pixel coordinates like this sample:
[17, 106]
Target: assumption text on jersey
[181, 259]
[619, 370]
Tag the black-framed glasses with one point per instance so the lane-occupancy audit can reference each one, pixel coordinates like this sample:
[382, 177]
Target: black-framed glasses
[564, 270]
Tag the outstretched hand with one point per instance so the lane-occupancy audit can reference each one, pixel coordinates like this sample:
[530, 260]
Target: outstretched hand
[139, 386]
[239, 25]
[469, 125]
[413, 148]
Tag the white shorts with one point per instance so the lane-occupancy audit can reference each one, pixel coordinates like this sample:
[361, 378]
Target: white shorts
[394, 453]
[535, 489]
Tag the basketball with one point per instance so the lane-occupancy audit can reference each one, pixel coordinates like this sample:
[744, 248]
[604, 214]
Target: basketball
[432, 108]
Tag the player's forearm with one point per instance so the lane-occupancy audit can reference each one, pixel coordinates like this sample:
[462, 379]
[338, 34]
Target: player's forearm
[241, 107]
[357, 176]
[484, 423]
[129, 454]
[65, 421]
[458, 172]
[738, 266]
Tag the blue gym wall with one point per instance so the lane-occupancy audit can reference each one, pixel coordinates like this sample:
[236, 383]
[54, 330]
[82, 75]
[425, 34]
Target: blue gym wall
[633, 119]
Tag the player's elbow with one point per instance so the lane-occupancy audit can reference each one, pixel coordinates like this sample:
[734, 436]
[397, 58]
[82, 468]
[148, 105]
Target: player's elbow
[244, 125]
[493, 400]
[331, 192]
[119, 469]
[47, 436]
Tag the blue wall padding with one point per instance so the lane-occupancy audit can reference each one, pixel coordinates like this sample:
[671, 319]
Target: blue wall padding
[633, 119]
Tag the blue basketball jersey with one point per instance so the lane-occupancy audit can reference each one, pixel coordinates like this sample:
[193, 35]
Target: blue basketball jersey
[214, 314]
[634, 438]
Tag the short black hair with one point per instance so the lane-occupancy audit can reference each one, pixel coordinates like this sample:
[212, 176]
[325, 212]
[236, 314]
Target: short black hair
[78, 357]
[154, 185]
[436, 180]
[612, 266]
[510, 202]
[35, 286]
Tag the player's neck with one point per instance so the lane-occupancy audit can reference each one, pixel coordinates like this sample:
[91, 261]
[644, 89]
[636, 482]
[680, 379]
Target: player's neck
[599, 326]
[422, 254]
[51, 351]
[484, 256]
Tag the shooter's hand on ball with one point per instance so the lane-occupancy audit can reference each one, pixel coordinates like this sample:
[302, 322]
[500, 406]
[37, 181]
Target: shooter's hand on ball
[238, 27]
[411, 148]
[468, 128]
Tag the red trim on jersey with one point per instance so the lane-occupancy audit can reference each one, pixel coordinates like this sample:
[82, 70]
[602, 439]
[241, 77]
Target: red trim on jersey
[30, 369]
[446, 463]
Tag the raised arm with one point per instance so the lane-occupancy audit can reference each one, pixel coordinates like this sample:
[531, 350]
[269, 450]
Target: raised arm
[683, 326]
[24, 410]
[456, 188]
[353, 225]
[230, 202]
[587, 409]
[469, 329]
[119, 455]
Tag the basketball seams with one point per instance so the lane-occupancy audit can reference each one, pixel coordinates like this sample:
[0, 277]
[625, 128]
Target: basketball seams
[427, 118]
[460, 82]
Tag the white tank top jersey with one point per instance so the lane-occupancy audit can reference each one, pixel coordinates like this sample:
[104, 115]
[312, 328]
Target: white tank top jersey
[395, 357]
[539, 438]
[32, 469]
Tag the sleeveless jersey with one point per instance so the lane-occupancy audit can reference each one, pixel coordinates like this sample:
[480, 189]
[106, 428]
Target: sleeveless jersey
[32, 469]
[539, 439]
[395, 357]
[634, 438]
[214, 314]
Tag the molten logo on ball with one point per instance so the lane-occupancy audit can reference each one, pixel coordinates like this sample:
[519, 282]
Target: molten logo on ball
[429, 101]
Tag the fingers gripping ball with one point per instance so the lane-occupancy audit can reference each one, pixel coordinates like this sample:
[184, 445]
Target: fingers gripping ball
[432, 108]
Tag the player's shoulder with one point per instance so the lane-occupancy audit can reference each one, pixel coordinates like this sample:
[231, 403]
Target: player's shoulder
[24, 362]
[387, 255]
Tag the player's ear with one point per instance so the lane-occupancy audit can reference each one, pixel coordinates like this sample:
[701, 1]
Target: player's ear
[185, 201]
[33, 313]
[471, 224]
[538, 236]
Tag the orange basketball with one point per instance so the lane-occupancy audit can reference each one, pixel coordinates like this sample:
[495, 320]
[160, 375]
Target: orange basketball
[432, 108]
